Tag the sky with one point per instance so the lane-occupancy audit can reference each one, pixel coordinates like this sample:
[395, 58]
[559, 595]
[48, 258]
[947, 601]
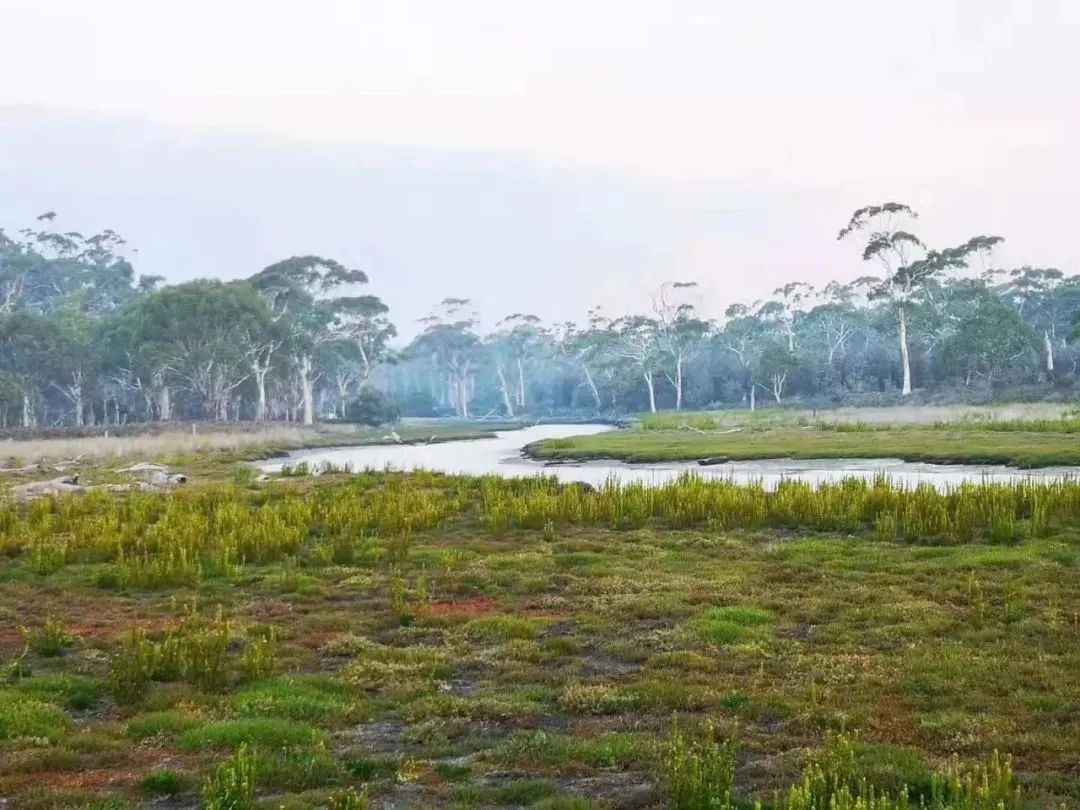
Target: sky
[514, 151]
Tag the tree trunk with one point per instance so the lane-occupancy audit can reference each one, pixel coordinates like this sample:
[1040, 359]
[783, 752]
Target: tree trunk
[27, 411]
[260, 391]
[753, 397]
[463, 396]
[164, 404]
[1049, 353]
[648, 377]
[77, 401]
[905, 360]
[521, 384]
[504, 389]
[307, 390]
[589, 381]
[678, 383]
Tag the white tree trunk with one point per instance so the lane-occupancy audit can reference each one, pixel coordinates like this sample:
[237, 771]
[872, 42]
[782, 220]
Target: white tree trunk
[905, 359]
[648, 377]
[260, 391]
[504, 389]
[1049, 353]
[27, 411]
[591, 383]
[521, 383]
[678, 383]
[307, 390]
[77, 401]
[753, 397]
[463, 395]
[164, 404]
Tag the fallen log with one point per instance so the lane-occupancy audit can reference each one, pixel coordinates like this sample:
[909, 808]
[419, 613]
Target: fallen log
[54, 486]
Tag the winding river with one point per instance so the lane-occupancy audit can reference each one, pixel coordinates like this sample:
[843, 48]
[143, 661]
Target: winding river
[502, 456]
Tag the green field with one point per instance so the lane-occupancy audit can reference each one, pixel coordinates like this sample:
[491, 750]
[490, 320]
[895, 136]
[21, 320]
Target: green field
[741, 436]
[431, 641]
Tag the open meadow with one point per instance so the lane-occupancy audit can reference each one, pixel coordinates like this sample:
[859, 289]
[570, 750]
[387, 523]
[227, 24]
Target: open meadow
[422, 640]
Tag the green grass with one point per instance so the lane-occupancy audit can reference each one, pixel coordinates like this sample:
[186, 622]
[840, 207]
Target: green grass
[464, 657]
[307, 699]
[950, 444]
[267, 732]
[730, 625]
[24, 718]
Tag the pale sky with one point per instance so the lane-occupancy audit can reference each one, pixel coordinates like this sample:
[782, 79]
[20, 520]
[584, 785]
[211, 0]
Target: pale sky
[968, 109]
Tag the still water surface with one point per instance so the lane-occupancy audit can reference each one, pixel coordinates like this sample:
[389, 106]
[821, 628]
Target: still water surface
[502, 456]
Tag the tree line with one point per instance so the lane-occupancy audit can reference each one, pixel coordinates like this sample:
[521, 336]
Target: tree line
[84, 340]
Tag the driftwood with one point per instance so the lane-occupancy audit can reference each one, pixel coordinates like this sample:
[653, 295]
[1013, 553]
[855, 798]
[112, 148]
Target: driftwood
[151, 478]
[61, 466]
[685, 426]
[54, 486]
[143, 467]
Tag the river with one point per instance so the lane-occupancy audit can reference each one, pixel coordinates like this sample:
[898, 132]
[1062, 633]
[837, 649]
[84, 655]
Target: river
[502, 456]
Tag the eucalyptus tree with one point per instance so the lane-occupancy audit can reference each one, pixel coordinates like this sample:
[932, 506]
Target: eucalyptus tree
[449, 341]
[833, 322]
[910, 267]
[679, 333]
[364, 321]
[199, 330]
[744, 335]
[786, 310]
[73, 359]
[1045, 299]
[584, 350]
[637, 343]
[304, 291]
[24, 342]
[991, 339]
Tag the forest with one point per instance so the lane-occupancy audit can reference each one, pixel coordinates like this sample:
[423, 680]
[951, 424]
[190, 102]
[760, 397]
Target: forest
[86, 341]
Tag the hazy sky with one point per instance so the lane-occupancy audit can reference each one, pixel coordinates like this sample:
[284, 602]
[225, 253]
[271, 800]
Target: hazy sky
[783, 114]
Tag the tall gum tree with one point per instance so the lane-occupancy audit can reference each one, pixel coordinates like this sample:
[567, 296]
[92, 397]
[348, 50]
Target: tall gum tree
[908, 264]
[306, 291]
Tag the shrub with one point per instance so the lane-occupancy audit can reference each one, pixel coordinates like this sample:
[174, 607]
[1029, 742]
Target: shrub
[51, 640]
[76, 692]
[371, 408]
[348, 799]
[22, 718]
[164, 783]
[700, 770]
[131, 668]
[232, 784]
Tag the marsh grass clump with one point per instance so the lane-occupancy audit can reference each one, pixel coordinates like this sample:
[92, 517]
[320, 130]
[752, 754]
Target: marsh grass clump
[348, 799]
[26, 718]
[840, 776]
[52, 640]
[231, 786]
[195, 650]
[700, 769]
[731, 625]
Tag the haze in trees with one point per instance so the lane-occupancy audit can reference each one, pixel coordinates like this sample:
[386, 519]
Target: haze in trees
[84, 340]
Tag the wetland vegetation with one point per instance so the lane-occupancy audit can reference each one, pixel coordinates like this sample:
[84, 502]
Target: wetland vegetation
[422, 640]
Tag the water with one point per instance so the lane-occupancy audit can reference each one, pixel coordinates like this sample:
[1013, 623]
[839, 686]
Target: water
[502, 456]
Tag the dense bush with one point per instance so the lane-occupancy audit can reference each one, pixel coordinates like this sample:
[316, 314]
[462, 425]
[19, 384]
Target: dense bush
[372, 408]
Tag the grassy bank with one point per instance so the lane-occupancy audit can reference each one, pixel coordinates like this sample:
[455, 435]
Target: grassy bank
[936, 445]
[228, 440]
[433, 641]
